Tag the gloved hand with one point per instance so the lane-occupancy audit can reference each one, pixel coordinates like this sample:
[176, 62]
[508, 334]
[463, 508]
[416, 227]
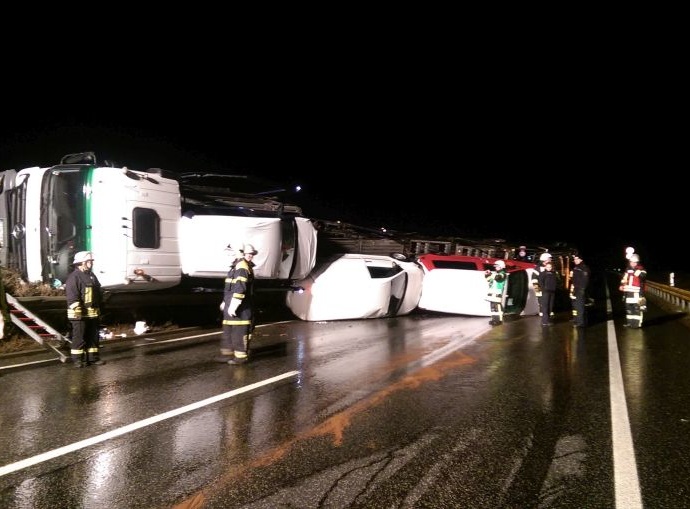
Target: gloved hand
[643, 303]
[572, 295]
[234, 304]
[222, 306]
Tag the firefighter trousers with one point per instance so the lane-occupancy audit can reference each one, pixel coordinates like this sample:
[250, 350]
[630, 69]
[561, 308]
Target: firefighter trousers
[85, 340]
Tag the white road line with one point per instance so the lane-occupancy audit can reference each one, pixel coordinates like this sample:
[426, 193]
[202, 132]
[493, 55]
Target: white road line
[626, 482]
[184, 338]
[19, 465]
[32, 363]
[174, 340]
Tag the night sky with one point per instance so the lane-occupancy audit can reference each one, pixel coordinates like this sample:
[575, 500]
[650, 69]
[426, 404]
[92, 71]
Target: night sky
[576, 164]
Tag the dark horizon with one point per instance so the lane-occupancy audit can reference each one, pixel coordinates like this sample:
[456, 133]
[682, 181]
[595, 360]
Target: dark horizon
[524, 190]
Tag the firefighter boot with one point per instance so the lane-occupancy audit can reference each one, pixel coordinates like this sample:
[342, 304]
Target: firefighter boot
[240, 358]
[225, 355]
[94, 358]
[78, 360]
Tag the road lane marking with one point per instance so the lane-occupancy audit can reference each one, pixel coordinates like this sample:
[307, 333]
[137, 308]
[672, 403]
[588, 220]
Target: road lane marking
[61, 451]
[626, 482]
[31, 363]
[174, 340]
[184, 338]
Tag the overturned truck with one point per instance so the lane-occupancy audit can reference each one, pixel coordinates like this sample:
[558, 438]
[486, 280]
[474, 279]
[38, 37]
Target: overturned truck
[152, 232]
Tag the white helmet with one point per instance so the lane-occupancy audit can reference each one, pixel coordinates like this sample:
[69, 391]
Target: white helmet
[81, 257]
[544, 257]
[635, 258]
[248, 249]
[500, 264]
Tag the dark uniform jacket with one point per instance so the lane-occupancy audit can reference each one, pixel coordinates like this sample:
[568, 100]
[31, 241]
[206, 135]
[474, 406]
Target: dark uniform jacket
[548, 281]
[83, 292]
[580, 280]
[239, 285]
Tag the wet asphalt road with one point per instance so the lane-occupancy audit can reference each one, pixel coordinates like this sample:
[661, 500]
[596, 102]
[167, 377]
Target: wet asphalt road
[417, 411]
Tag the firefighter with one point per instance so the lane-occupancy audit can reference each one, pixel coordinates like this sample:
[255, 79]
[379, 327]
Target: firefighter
[238, 311]
[497, 281]
[84, 297]
[633, 288]
[521, 254]
[226, 348]
[539, 268]
[579, 282]
[548, 283]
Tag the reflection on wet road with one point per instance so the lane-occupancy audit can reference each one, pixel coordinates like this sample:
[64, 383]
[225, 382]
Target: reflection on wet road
[418, 411]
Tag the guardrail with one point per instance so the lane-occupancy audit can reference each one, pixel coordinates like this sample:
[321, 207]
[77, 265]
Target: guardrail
[677, 297]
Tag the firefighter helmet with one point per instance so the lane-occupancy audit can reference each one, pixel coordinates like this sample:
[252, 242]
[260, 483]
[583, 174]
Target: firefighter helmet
[545, 256]
[500, 264]
[81, 257]
[248, 249]
[635, 258]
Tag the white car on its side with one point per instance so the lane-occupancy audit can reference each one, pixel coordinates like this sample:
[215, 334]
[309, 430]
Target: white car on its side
[355, 286]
